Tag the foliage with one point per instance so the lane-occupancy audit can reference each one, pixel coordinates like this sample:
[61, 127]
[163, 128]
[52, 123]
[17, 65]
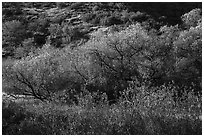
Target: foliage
[46, 73]
[28, 46]
[108, 18]
[138, 16]
[88, 17]
[76, 5]
[39, 30]
[13, 33]
[62, 35]
[191, 18]
[118, 57]
[72, 32]
[110, 59]
[126, 78]
[11, 11]
[114, 19]
[188, 50]
[56, 33]
[151, 113]
[61, 4]
[168, 9]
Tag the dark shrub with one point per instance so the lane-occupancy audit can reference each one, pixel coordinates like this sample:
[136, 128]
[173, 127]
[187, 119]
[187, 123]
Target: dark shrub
[13, 33]
[76, 5]
[61, 4]
[138, 16]
[88, 17]
[12, 116]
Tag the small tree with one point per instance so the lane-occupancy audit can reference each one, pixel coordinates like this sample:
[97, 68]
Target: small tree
[117, 58]
[48, 73]
[34, 75]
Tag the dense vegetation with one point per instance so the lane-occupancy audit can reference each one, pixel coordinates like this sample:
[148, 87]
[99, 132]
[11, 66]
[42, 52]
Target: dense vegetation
[102, 68]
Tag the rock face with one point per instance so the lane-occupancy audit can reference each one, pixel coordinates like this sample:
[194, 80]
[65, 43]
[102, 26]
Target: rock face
[64, 15]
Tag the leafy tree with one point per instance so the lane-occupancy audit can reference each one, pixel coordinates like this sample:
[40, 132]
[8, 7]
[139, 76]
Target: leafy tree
[188, 49]
[117, 58]
[34, 75]
[176, 56]
[47, 73]
[162, 56]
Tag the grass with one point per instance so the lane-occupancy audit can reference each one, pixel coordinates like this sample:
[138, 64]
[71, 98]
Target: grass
[143, 114]
[34, 117]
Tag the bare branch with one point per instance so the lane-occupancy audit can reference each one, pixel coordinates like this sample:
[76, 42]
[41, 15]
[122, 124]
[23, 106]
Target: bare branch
[80, 73]
[103, 61]
[25, 81]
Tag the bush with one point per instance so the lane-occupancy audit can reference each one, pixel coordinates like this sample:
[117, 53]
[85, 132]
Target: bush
[61, 5]
[72, 33]
[125, 16]
[61, 35]
[88, 17]
[13, 33]
[28, 46]
[147, 111]
[192, 18]
[49, 71]
[12, 116]
[98, 16]
[139, 17]
[76, 5]
[56, 34]
[113, 19]
[39, 30]
[95, 8]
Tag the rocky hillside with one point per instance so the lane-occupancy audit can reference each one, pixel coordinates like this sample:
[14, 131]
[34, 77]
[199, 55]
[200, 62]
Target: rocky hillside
[72, 23]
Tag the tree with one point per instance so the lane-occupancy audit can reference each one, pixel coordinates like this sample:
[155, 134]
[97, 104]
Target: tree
[117, 58]
[188, 50]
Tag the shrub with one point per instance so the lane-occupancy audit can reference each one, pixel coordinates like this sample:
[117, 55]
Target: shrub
[88, 17]
[76, 5]
[72, 32]
[46, 73]
[39, 30]
[11, 11]
[56, 34]
[61, 5]
[98, 17]
[125, 16]
[95, 8]
[149, 111]
[12, 116]
[139, 17]
[61, 35]
[113, 19]
[28, 46]
[32, 74]
[191, 18]
[13, 33]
